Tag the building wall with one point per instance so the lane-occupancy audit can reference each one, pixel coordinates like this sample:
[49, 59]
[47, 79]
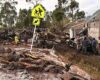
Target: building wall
[94, 29]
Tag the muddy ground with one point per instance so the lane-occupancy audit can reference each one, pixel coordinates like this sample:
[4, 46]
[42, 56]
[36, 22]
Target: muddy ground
[43, 64]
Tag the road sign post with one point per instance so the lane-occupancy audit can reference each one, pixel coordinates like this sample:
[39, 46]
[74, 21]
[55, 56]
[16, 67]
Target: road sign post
[38, 12]
[34, 34]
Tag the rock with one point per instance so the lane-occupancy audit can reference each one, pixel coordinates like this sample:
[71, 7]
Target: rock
[13, 56]
[2, 49]
[76, 70]
[45, 67]
[48, 68]
[67, 67]
[13, 66]
[8, 50]
[54, 69]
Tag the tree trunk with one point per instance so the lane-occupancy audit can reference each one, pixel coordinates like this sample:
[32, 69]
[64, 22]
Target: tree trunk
[72, 15]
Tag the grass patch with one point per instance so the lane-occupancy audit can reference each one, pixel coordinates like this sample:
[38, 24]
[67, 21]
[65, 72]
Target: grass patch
[90, 64]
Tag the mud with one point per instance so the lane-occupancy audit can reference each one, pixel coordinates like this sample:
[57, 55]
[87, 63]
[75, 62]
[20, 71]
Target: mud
[40, 64]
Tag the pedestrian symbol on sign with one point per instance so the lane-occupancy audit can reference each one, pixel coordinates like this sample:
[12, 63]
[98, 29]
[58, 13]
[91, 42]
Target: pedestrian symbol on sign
[38, 11]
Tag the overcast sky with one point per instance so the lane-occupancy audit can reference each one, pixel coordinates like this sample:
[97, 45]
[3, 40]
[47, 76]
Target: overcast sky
[89, 6]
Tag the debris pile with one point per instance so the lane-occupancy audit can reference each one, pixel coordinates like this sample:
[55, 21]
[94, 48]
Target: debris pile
[38, 63]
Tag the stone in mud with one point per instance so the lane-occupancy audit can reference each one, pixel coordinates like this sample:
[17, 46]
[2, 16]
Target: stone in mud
[13, 57]
[54, 69]
[12, 66]
[8, 50]
[2, 50]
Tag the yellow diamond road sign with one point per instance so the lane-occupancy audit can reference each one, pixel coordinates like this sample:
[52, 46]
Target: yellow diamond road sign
[36, 22]
[38, 11]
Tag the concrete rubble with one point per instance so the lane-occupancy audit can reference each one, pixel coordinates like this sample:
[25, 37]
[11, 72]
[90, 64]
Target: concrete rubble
[40, 64]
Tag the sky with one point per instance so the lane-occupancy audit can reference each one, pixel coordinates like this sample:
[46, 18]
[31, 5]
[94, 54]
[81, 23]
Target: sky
[48, 4]
[89, 6]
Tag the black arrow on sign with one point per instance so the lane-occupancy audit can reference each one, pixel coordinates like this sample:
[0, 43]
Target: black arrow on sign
[36, 21]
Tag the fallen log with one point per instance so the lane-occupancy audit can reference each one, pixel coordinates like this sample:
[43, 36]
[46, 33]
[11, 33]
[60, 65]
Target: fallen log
[32, 56]
[4, 61]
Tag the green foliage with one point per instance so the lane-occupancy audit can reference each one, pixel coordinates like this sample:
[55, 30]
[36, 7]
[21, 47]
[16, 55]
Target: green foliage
[24, 19]
[58, 17]
[73, 5]
[72, 8]
[61, 3]
[80, 14]
[58, 14]
[8, 13]
[59, 20]
[48, 19]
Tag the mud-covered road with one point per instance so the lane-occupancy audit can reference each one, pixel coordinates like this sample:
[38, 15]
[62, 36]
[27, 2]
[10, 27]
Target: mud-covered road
[51, 67]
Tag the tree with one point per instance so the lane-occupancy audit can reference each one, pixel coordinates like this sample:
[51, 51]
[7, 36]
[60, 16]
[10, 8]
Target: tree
[79, 14]
[61, 3]
[48, 19]
[0, 13]
[58, 16]
[24, 18]
[8, 13]
[72, 8]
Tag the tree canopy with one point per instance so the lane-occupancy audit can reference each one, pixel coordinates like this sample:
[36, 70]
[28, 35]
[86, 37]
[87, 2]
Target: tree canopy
[64, 11]
[8, 13]
[24, 18]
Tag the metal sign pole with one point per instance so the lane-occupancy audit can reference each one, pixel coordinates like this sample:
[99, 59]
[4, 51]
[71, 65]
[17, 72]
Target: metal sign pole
[34, 34]
[38, 13]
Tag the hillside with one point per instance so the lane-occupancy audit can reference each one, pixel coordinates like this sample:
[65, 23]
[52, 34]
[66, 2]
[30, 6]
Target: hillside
[89, 63]
[97, 14]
